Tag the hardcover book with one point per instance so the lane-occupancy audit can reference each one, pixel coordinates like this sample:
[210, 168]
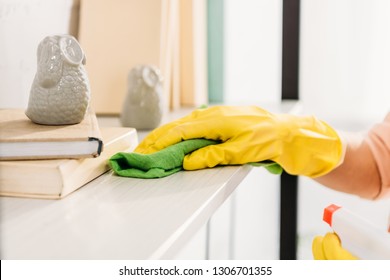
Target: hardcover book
[22, 139]
[56, 178]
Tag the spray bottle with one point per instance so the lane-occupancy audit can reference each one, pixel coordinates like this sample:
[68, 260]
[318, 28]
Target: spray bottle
[357, 235]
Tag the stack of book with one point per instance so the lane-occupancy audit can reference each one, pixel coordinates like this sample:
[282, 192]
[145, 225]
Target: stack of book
[53, 161]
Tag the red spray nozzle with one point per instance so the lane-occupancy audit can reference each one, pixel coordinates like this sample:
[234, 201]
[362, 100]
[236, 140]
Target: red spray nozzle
[328, 213]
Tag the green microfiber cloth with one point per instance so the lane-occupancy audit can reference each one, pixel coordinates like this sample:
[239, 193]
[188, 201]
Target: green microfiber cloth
[167, 161]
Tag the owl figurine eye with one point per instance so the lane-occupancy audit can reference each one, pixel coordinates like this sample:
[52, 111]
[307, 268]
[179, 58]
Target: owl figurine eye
[151, 76]
[71, 50]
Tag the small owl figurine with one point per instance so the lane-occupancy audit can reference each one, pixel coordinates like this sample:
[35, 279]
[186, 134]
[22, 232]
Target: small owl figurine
[143, 108]
[60, 93]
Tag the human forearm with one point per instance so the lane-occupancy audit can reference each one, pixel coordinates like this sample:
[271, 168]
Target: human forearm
[358, 174]
[365, 170]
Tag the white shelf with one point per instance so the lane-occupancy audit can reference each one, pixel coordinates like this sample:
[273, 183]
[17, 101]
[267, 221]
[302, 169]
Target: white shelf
[118, 218]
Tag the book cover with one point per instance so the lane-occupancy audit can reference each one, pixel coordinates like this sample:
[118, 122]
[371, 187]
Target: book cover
[22, 139]
[54, 179]
[129, 33]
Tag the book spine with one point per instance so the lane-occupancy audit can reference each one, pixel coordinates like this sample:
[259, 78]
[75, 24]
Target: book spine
[99, 147]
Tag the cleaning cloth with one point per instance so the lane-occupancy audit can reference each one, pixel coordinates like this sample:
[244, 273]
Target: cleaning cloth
[167, 161]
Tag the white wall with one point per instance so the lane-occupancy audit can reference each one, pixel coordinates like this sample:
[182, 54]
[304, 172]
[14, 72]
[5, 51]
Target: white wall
[345, 59]
[252, 50]
[23, 24]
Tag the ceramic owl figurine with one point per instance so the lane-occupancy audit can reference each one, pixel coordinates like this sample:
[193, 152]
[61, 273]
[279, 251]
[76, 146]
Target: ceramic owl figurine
[60, 93]
[143, 108]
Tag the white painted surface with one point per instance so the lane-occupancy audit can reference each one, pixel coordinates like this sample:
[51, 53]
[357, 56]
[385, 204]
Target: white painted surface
[126, 218]
[345, 58]
[23, 24]
[120, 218]
[116, 218]
[256, 230]
[253, 48]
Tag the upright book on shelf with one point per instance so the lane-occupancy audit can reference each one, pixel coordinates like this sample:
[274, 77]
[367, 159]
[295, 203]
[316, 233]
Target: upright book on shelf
[22, 139]
[56, 178]
[129, 27]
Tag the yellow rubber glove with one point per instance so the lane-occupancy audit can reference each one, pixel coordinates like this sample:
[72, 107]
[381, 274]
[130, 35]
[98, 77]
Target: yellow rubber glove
[329, 248]
[301, 145]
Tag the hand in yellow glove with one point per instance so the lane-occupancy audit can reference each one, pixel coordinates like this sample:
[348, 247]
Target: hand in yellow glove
[302, 145]
[329, 248]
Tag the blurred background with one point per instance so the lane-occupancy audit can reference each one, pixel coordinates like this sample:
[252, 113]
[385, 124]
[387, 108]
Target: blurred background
[215, 51]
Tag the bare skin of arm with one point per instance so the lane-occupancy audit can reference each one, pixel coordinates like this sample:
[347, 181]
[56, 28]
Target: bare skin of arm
[365, 170]
[358, 174]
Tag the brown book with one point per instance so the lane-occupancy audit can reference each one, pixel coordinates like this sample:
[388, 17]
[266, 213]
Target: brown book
[54, 179]
[22, 139]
